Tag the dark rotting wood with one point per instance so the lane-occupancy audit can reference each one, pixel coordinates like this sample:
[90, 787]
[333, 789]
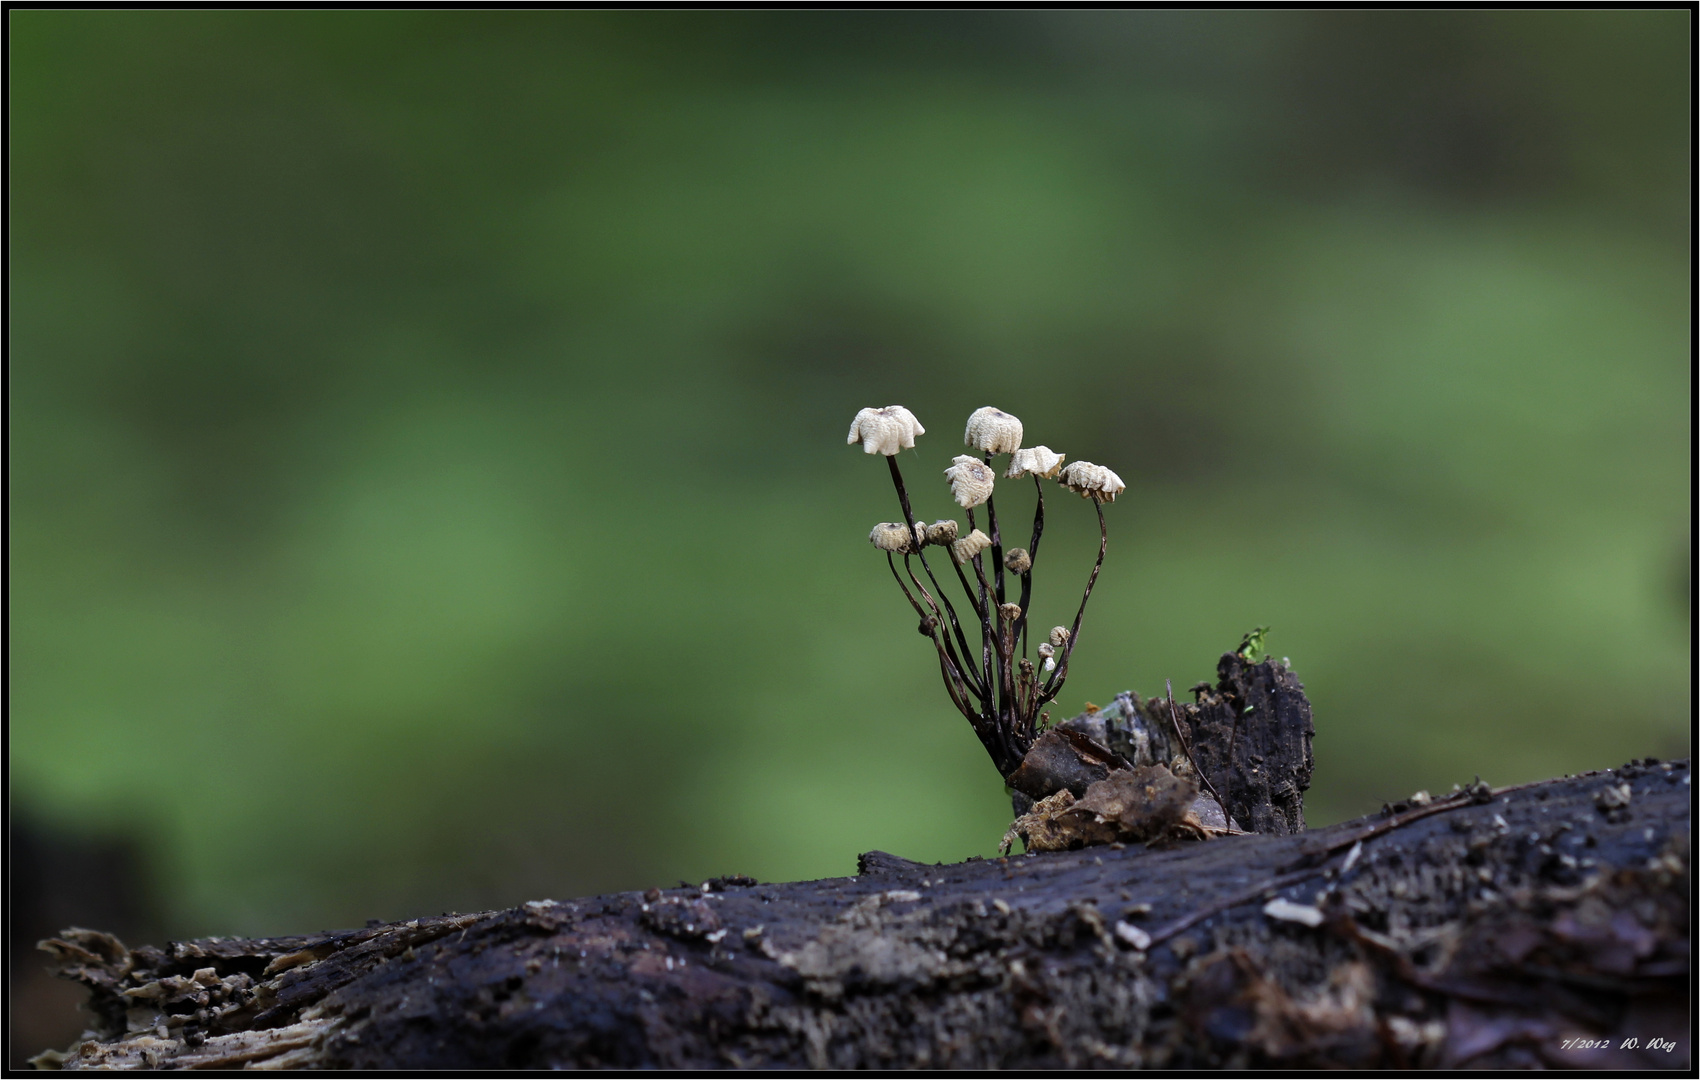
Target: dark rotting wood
[1248, 737]
[1251, 735]
[1488, 929]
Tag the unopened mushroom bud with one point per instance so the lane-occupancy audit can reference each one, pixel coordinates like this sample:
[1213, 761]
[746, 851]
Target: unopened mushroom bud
[888, 431]
[1091, 481]
[1017, 561]
[929, 623]
[1059, 636]
[969, 546]
[970, 480]
[1039, 460]
[890, 536]
[1009, 612]
[993, 431]
[941, 533]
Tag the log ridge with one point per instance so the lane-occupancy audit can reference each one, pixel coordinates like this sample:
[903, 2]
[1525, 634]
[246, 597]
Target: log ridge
[1540, 925]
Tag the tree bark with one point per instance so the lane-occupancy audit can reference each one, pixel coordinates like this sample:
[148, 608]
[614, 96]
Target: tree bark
[1540, 925]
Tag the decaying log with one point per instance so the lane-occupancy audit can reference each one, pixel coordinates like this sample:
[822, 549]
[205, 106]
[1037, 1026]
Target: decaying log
[1546, 924]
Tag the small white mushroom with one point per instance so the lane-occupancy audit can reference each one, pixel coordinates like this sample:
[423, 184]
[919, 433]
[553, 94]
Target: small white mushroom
[993, 431]
[1038, 460]
[1059, 636]
[890, 536]
[941, 533]
[969, 546]
[970, 480]
[1091, 481]
[888, 431]
[1017, 561]
[1009, 612]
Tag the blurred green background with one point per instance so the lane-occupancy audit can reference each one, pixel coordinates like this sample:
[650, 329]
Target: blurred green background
[428, 481]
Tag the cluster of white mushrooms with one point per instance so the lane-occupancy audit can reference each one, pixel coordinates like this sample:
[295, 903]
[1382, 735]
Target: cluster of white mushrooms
[999, 694]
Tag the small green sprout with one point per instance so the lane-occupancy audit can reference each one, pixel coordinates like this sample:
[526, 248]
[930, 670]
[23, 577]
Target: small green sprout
[1252, 648]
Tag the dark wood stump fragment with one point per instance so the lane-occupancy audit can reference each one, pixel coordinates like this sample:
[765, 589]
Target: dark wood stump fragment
[1251, 735]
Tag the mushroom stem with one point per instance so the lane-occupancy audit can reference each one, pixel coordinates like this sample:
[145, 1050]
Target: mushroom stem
[983, 607]
[1033, 556]
[955, 624]
[979, 691]
[1055, 682]
[919, 610]
[997, 540]
[945, 665]
[1009, 712]
[902, 492]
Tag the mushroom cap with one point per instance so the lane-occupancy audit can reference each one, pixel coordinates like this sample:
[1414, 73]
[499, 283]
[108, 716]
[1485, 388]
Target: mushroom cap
[888, 431]
[942, 532]
[993, 431]
[970, 479]
[1059, 637]
[891, 536]
[1038, 460]
[1091, 481]
[1017, 561]
[969, 546]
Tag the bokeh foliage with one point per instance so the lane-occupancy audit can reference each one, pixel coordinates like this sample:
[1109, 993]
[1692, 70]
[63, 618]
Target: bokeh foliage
[427, 477]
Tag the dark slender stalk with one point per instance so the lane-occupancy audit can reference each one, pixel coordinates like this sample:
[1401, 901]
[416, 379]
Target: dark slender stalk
[960, 662]
[979, 611]
[944, 661]
[953, 687]
[993, 628]
[1032, 555]
[983, 607]
[902, 494]
[1007, 712]
[997, 538]
[1055, 682]
[909, 523]
[978, 570]
[955, 623]
[919, 610]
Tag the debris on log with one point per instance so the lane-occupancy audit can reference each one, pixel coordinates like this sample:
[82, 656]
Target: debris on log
[1542, 925]
[1246, 741]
